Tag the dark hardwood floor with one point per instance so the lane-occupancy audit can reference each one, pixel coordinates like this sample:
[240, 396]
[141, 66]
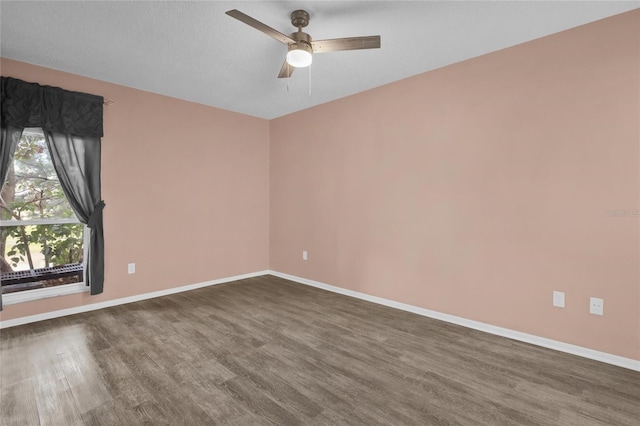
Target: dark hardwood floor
[268, 351]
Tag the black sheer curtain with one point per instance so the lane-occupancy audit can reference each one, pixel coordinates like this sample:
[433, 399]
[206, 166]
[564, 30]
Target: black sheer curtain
[74, 159]
[72, 123]
[9, 137]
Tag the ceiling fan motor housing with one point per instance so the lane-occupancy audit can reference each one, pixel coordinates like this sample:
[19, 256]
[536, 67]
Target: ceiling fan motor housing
[303, 42]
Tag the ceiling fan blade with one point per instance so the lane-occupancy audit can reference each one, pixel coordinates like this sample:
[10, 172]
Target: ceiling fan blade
[348, 43]
[235, 13]
[286, 70]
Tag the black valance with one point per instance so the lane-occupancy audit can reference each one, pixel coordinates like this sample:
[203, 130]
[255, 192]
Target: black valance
[53, 109]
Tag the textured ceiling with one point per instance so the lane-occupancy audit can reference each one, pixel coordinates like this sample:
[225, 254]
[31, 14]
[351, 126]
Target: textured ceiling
[193, 51]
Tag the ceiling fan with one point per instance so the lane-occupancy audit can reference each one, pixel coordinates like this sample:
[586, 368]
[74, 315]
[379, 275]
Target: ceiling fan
[300, 45]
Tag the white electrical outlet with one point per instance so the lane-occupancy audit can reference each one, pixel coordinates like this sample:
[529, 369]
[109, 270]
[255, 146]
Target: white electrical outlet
[558, 299]
[596, 306]
[304, 255]
[131, 268]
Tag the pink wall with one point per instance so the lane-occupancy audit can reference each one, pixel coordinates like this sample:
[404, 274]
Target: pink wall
[186, 188]
[479, 188]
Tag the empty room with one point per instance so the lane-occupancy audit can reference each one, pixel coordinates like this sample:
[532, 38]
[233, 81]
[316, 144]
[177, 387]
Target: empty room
[320, 213]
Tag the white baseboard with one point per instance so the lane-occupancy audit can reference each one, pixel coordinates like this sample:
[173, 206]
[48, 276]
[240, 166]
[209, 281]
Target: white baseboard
[122, 301]
[488, 328]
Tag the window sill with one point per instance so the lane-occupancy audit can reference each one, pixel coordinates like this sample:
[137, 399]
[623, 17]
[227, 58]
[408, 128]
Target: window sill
[43, 293]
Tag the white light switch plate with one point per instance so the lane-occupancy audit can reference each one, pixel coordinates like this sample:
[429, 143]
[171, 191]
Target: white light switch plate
[304, 255]
[596, 306]
[131, 268]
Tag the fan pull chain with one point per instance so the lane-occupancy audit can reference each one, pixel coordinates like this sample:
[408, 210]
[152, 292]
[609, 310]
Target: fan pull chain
[309, 80]
[288, 75]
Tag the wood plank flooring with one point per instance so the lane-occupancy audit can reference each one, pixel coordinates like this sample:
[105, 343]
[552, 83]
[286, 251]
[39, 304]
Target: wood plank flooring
[268, 351]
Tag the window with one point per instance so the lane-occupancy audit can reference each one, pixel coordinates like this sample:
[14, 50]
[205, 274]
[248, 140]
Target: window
[73, 128]
[41, 240]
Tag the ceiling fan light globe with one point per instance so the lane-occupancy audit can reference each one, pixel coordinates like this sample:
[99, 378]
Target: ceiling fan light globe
[299, 58]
